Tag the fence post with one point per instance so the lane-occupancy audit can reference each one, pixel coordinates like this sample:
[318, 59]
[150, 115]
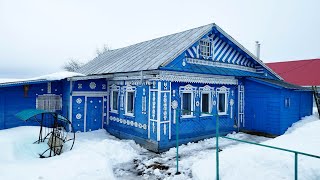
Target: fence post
[217, 148]
[177, 140]
[296, 166]
[174, 105]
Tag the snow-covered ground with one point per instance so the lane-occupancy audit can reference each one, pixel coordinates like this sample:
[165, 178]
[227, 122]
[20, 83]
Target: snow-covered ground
[253, 162]
[98, 155]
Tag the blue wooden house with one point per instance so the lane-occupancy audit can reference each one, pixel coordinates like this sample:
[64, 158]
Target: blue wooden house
[203, 71]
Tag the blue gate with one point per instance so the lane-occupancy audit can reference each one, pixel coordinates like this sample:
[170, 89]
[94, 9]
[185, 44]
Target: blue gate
[94, 113]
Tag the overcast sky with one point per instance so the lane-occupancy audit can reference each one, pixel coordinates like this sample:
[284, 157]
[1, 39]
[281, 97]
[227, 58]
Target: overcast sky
[38, 36]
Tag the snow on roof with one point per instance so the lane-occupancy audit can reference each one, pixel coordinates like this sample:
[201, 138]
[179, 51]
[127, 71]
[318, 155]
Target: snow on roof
[49, 77]
[300, 72]
[58, 76]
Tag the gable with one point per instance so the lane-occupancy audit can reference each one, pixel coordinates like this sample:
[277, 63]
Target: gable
[215, 50]
[219, 51]
[169, 52]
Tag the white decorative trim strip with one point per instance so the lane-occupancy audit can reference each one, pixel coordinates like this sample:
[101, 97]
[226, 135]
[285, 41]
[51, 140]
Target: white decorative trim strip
[190, 79]
[138, 82]
[219, 64]
[90, 93]
[128, 122]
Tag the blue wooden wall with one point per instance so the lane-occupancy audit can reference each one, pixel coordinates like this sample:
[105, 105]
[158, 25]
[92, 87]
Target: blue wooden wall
[126, 126]
[199, 126]
[88, 98]
[13, 100]
[265, 109]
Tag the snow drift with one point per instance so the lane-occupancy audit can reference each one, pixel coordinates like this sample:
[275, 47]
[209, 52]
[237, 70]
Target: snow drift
[252, 162]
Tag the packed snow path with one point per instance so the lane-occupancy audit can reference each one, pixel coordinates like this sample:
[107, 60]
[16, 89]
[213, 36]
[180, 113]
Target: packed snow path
[98, 155]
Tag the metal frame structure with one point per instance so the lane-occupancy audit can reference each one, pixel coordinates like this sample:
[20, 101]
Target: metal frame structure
[53, 127]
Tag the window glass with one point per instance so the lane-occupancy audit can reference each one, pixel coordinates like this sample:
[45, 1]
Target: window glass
[130, 99]
[115, 100]
[205, 103]
[287, 102]
[186, 106]
[222, 103]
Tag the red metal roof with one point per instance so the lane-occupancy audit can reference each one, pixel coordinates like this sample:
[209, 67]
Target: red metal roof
[301, 72]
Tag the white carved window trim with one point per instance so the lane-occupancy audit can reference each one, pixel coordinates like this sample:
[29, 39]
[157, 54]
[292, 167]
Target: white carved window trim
[129, 88]
[188, 89]
[206, 90]
[204, 48]
[223, 90]
[49, 102]
[114, 88]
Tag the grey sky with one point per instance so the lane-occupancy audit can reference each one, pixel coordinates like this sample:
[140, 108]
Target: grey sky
[38, 36]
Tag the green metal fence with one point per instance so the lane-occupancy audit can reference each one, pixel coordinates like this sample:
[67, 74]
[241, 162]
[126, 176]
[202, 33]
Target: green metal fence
[296, 153]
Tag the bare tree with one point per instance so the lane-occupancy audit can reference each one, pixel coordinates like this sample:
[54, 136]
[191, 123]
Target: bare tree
[104, 49]
[72, 65]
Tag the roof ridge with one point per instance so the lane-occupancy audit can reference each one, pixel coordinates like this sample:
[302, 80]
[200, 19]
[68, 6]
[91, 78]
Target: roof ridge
[161, 37]
[105, 57]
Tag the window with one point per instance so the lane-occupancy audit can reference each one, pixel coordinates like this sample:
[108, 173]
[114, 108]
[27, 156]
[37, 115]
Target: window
[49, 102]
[187, 94]
[222, 103]
[205, 48]
[205, 104]
[287, 102]
[186, 104]
[114, 100]
[129, 110]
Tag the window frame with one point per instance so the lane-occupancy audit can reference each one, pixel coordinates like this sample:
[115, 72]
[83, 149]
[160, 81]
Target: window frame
[209, 104]
[225, 104]
[287, 102]
[112, 89]
[192, 106]
[126, 102]
[223, 90]
[205, 44]
[46, 99]
[188, 89]
[111, 101]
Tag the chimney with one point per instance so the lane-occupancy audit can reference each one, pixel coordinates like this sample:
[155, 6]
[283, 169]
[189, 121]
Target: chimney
[258, 49]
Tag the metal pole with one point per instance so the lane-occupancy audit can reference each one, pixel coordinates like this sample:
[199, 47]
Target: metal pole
[217, 148]
[296, 166]
[177, 140]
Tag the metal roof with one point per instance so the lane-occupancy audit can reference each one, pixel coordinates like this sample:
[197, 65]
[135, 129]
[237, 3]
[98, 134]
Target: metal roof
[20, 83]
[148, 55]
[301, 72]
[152, 54]
[282, 84]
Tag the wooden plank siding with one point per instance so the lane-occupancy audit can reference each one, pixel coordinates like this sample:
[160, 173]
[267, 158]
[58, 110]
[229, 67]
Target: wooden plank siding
[266, 110]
